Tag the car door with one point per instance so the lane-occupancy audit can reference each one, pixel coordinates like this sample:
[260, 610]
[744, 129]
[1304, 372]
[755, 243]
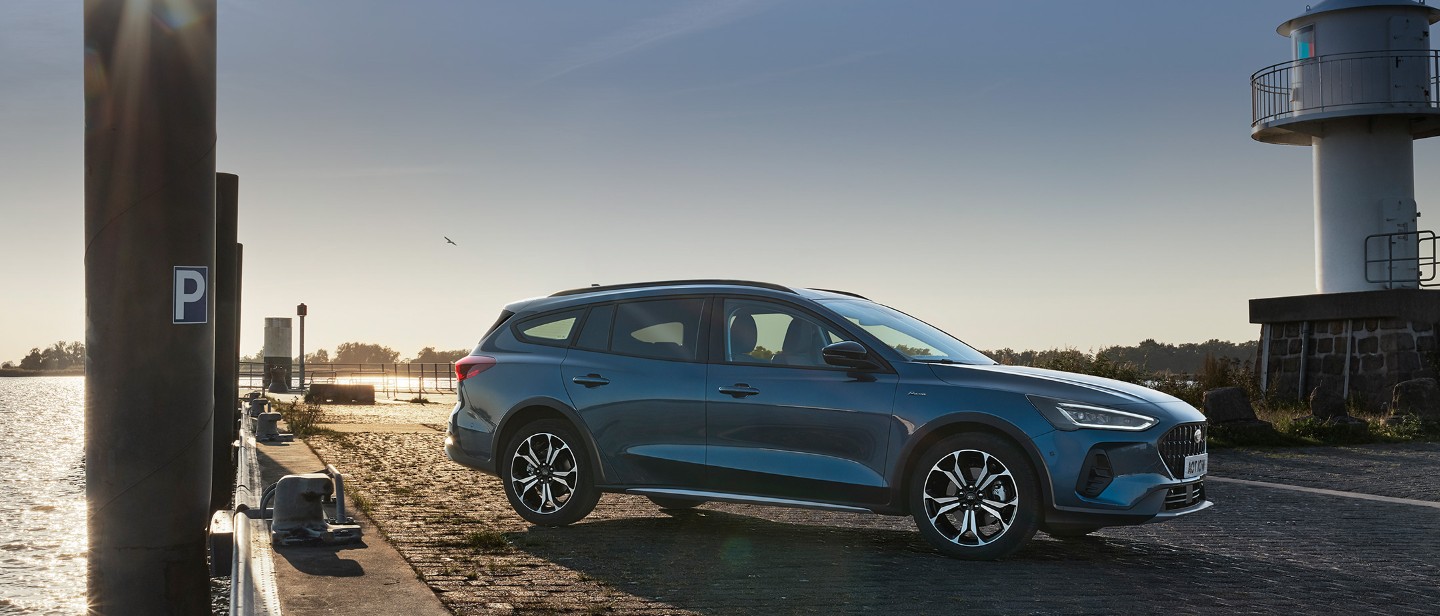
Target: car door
[782, 423]
[636, 376]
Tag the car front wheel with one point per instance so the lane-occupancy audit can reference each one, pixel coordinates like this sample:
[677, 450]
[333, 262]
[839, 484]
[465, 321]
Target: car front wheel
[547, 474]
[975, 497]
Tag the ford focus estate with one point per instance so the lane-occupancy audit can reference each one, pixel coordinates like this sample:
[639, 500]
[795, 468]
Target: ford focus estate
[744, 392]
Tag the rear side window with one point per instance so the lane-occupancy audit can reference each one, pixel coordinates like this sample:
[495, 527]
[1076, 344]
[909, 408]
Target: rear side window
[551, 329]
[663, 329]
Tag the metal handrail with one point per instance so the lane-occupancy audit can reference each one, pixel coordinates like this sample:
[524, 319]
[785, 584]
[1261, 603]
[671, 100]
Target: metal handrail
[1424, 258]
[393, 377]
[1273, 88]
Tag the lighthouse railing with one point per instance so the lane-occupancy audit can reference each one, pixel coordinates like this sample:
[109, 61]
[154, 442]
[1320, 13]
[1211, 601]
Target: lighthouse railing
[1401, 80]
[1404, 259]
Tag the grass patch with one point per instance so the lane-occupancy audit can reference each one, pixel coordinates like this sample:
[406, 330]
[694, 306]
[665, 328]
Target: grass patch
[361, 502]
[482, 541]
[300, 417]
[419, 400]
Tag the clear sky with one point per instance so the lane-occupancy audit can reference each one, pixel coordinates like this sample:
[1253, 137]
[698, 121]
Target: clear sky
[1022, 174]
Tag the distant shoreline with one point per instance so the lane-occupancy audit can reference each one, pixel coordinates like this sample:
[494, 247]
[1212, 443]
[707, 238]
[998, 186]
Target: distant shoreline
[4, 372]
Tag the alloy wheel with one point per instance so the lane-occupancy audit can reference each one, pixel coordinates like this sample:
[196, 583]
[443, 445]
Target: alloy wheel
[543, 473]
[971, 498]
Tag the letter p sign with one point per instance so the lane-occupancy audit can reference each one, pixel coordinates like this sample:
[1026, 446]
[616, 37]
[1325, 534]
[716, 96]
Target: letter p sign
[191, 286]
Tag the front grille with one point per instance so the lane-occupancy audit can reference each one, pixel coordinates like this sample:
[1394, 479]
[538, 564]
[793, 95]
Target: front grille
[1180, 442]
[1182, 497]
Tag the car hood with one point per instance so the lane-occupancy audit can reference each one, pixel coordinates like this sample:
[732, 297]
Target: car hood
[1060, 385]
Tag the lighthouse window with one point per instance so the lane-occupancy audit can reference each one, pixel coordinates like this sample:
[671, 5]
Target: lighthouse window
[1304, 42]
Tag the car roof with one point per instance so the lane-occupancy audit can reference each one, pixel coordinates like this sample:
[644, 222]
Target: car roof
[591, 294]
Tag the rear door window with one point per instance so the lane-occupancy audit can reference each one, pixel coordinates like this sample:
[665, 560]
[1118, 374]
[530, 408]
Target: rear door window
[550, 329]
[662, 329]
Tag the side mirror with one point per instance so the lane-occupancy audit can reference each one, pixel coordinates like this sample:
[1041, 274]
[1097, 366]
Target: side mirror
[848, 354]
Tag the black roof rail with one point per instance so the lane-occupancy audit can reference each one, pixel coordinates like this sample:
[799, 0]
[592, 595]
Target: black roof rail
[843, 293]
[667, 283]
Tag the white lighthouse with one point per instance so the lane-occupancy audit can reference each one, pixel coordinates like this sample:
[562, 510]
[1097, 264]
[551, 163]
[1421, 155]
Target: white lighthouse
[1360, 89]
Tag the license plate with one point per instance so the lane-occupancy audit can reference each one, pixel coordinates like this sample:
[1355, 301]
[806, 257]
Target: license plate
[1196, 466]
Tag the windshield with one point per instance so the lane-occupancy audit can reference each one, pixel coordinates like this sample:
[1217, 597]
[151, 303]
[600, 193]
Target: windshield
[910, 336]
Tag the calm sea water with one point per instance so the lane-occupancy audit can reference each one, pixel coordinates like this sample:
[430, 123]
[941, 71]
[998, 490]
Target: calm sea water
[42, 495]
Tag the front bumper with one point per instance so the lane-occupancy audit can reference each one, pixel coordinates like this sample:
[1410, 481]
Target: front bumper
[1106, 478]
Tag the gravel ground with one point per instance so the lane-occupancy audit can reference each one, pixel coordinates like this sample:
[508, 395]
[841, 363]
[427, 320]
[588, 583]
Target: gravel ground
[1258, 551]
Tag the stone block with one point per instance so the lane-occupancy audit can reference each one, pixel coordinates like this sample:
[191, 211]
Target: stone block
[1336, 328]
[1325, 345]
[1373, 363]
[1394, 324]
[1418, 397]
[1228, 404]
[1422, 326]
[1326, 401]
[1290, 364]
[1332, 364]
[1391, 343]
[1294, 347]
[1291, 330]
[1372, 325]
[1405, 361]
[1425, 343]
[1368, 344]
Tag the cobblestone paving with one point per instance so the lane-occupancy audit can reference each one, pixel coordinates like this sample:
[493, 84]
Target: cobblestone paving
[1410, 470]
[1259, 550]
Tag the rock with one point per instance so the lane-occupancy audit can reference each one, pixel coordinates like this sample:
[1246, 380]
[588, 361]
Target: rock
[1418, 397]
[1326, 401]
[1228, 404]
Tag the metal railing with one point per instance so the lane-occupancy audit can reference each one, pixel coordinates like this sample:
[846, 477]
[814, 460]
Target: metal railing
[1414, 265]
[1340, 81]
[388, 378]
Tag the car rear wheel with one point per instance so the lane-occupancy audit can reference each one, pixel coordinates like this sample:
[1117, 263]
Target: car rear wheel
[975, 497]
[547, 474]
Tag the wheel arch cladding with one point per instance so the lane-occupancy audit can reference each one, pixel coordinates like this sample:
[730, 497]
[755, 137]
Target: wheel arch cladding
[971, 423]
[535, 410]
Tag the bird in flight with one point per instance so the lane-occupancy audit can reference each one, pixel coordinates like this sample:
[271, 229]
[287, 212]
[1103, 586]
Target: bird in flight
[450, 241]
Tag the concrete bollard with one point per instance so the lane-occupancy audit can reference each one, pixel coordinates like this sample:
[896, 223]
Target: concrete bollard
[267, 427]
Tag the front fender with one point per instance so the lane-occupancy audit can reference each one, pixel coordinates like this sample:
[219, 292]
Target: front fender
[922, 437]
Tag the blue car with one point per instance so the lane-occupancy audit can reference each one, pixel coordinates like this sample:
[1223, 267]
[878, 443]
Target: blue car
[746, 392]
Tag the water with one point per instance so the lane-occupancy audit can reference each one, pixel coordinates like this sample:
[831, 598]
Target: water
[42, 495]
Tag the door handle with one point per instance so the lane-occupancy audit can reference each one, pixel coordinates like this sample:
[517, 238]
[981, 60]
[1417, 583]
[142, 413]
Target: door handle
[590, 380]
[738, 390]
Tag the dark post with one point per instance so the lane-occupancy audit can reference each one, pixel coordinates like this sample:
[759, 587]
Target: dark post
[227, 336]
[301, 311]
[149, 302]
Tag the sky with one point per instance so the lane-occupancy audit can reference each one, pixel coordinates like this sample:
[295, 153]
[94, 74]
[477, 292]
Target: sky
[1036, 174]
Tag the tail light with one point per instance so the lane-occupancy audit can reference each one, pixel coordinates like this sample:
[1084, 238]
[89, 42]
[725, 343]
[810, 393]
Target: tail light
[467, 367]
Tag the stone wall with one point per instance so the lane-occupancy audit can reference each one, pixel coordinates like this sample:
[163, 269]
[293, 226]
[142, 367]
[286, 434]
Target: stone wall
[1382, 352]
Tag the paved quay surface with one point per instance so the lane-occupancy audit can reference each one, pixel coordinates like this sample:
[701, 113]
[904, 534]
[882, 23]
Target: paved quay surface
[1259, 551]
[368, 577]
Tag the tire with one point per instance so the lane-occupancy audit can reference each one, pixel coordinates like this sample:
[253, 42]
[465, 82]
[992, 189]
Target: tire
[971, 522]
[547, 475]
[674, 504]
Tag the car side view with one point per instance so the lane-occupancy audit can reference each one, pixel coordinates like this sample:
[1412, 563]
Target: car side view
[746, 392]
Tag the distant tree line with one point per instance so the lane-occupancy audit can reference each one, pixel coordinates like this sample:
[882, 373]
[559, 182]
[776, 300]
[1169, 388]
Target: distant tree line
[366, 353]
[59, 356]
[1148, 356]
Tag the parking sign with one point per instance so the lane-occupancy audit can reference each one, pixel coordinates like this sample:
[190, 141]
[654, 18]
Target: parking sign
[192, 284]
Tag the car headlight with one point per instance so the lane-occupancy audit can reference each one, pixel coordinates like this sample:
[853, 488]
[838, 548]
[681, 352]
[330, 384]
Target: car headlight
[1065, 415]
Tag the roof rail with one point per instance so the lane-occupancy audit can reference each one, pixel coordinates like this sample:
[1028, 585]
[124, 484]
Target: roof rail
[667, 283]
[837, 291]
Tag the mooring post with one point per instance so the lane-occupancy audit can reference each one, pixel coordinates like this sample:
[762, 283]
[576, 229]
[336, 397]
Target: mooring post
[149, 302]
[227, 336]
